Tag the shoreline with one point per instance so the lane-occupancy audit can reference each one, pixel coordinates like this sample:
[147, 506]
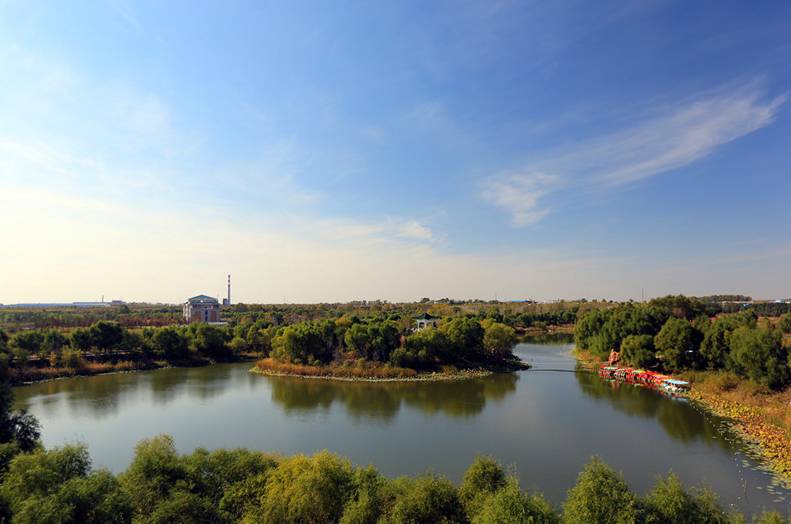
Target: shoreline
[123, 367]
[378, 372]
[424, 377]
[771, 443]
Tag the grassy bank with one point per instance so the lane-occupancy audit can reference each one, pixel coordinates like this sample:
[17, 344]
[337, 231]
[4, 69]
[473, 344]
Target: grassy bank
[30, 374]
[366, 371]
[25, 375]
[760, 416]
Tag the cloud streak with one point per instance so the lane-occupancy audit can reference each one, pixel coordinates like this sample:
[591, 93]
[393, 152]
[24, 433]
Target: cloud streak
[671, 138]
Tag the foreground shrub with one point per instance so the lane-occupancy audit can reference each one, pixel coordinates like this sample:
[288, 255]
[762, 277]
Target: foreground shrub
[154, 471]
[669, 503]
[56, 486]
[425, 499]
[600, 495]
[369, 500]
[183, 507]
[509, 505]
[307, 489]
[484, 477]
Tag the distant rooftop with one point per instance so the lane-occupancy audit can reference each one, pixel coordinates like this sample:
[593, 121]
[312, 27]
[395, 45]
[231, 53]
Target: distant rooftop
[202, 299]
[425, 316]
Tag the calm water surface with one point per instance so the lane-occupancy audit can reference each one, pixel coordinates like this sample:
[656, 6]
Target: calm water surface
[547, 422]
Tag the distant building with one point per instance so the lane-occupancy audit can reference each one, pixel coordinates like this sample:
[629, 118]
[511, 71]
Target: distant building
[425, 320]
[202, 308]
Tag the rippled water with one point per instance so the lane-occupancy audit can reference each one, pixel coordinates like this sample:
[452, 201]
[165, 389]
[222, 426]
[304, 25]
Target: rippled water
[547, 422]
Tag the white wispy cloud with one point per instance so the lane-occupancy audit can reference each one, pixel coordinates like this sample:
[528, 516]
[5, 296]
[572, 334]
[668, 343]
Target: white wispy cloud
[519, 195]
[685, 133]
[674, 136]
[412, 229]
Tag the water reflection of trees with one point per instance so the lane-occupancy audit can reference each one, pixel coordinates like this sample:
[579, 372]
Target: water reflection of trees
[678, 418]
[383, 400]
[103, 395]
[554, 339]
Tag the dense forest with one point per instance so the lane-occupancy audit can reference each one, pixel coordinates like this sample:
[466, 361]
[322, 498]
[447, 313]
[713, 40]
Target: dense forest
[460, 341]
[676, 334]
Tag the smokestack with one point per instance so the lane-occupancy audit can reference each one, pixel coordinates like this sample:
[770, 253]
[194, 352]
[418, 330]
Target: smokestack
[229, 290]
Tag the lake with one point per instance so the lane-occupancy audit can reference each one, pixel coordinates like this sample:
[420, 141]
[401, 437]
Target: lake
[546, 422]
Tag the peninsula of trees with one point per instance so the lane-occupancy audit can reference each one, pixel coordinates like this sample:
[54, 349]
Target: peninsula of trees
[677, 334]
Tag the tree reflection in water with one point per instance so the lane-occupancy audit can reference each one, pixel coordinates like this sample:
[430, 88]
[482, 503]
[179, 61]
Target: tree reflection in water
[677, 417]
[103, 395]
[383, 400]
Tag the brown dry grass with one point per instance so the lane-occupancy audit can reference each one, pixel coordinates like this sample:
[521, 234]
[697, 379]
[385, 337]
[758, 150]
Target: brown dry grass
[761, 415]
[359, 370]
[30, 374]
[773, 406]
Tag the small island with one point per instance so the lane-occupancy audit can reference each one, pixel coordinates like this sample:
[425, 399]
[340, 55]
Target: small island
[387, 349]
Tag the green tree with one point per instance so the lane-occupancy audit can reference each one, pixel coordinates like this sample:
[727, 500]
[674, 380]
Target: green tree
[638, 350]
[669, 503]
[307, 489]
[82, 339]
[210, 341]
[53, 341]
[509, 505]
[426, 347]
[107, 335]
[759, 355]
[35, 476]
[499, 340]
[357, 339]
[152, 474]
[184, 507]
[369, 498]
[259, 339]
[210, 473]
[238, 345]
[425, 499]
[306, 342]
[588, 326]
[676, 343]
[243, 497]
[19, 429]
[465, 336]
[29, 341]
[600, 495]
[482, 479]
[785, 323]
[172, 343]
[681, 306]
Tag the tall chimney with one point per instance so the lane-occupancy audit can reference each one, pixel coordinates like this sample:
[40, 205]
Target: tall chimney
[229, 290]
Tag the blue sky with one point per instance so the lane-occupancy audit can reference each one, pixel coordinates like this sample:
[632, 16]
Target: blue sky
[323, 152]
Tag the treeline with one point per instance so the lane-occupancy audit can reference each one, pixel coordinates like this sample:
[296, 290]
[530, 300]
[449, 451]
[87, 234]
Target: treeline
[461, 341]
[108, 339]
[228, 486]
[71, 317]
[515, 314]
[676, 334]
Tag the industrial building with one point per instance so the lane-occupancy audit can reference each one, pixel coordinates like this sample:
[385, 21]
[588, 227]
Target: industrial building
[203, 308]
